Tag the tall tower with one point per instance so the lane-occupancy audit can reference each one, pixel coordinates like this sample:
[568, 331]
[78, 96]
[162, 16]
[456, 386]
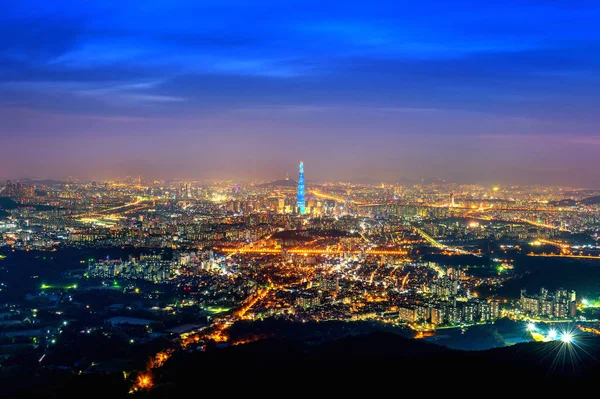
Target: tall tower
[301, 202]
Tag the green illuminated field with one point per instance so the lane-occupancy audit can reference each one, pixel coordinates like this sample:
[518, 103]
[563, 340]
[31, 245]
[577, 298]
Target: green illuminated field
[58, 286]
[216, 309]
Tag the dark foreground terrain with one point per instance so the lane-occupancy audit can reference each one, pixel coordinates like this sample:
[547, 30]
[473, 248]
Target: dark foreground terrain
[373, 364]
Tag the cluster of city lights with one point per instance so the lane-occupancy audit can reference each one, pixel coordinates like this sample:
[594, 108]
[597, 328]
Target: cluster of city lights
[590, 303]
[553, 335]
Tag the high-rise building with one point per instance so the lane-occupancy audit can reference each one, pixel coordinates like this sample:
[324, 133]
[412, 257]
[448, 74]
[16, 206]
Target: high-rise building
[17, 190]
[301, 201]
[437, 316]
[560, 304]
[407, 314]
[495, 309]
[10, 190]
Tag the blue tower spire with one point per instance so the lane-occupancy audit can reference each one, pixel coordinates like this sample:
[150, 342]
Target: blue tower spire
[301, 202]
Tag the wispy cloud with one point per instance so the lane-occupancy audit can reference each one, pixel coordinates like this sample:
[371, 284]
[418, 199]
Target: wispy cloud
[513, 137]
[139, 92]
[593, 140]
[135, 92]
[557, 138]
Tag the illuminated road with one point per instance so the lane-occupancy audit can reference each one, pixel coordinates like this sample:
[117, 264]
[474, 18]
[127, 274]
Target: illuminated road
[309, 251]
[430, 239]
[373, 274]
[590, 330]
[109, 210]
[136, 209]
[116, 208]
[555, 243]
[438, 245]
[253, 300]
[218, 330]
[480, 208]
[319, 194]
[404, 281]
[564, 248]
[536, 224]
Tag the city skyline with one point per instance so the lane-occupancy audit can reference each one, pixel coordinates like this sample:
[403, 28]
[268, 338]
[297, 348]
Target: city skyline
[496, 93]
[284, 174]
[367, 181]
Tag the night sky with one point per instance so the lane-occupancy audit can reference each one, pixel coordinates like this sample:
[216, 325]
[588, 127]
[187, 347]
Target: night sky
[494, 92]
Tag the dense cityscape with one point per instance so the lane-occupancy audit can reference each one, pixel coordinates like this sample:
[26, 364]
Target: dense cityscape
[195, 258]
[267, 198]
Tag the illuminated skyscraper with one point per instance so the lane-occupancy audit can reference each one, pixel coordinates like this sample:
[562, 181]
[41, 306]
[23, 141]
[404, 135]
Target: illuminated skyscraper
[301, 201]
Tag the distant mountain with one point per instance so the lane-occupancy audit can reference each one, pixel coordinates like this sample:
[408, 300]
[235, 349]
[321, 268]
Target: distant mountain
[378, 362]
[564, 202]
[369, 365]
[46, 182]
[280, 183]
[595, 200]
[591, 200]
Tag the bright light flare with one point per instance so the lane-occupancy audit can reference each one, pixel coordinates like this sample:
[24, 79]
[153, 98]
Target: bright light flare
[567, 338]
[531, 326]
[552, 334]
[144, 381]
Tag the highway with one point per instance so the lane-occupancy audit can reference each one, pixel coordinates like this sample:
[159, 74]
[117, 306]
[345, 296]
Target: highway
[439, 245]
[429, 239]
[319, 194]
[109, 210]
[311, 251]
[536, 224]
[556, 243]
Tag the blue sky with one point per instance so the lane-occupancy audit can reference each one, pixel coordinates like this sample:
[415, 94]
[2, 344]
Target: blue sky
[501, 92]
